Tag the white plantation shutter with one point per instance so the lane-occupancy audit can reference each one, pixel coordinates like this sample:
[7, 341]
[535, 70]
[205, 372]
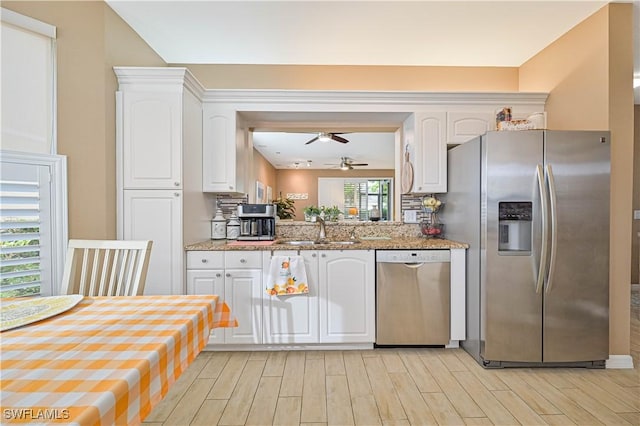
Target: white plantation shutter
[33, 217]
[21, 237]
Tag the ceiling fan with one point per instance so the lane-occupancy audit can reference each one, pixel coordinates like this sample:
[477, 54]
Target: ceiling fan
[328, 136]
[347, 163]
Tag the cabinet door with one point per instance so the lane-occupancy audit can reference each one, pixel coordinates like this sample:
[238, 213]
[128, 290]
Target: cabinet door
[464, 126]
[426, 134]
[208, 281]
[157, 215]
[347, 296]
[152, 140]
[243, 294]
[224, 151]
[293, 319]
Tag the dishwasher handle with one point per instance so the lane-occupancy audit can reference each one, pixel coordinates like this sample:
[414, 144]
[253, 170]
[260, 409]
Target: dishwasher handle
[413, 265]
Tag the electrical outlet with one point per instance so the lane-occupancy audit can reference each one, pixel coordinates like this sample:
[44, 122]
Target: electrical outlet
[636, 214]
[410, 216]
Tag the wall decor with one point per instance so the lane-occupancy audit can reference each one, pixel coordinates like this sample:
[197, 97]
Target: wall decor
[260, 194]
[269, 194]
[298, 195]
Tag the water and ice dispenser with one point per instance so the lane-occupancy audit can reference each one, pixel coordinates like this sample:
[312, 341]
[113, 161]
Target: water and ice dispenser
[514, 227]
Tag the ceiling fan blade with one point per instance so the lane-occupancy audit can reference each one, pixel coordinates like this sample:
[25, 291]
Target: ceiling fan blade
[359, 164]
[338, 138]
[312, 140]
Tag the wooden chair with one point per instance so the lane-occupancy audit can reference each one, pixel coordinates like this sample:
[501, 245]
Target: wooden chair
[106, 267]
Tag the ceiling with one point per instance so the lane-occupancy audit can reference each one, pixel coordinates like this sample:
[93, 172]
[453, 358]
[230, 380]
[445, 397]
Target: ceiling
[286, 150]
[333, 32]
[420, 33]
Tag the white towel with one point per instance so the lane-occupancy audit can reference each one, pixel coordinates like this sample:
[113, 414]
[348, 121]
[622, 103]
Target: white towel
[287, 276]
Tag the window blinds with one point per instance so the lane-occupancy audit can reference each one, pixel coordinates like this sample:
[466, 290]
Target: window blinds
[20, 237]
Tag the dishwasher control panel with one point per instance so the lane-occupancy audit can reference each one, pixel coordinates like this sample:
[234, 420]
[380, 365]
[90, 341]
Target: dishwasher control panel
[412, 256]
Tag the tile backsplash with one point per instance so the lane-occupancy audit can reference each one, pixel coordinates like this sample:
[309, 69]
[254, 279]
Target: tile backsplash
[229, 204]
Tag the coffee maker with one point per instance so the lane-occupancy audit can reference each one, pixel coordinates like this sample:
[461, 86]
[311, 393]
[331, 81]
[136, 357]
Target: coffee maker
[257, 222]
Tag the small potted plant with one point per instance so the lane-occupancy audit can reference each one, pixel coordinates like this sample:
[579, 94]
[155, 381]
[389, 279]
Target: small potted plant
[284, 207]
[310, 212]
[333, 213]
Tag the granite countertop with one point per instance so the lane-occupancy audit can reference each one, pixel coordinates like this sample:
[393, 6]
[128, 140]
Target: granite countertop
[399, 243]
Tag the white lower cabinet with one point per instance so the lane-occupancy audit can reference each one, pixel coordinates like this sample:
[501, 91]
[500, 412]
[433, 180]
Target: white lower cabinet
[237, 278]
[292, 319]
[208, 281]
[339, 308]
[347, 296]
[156, 215]
[243, 294]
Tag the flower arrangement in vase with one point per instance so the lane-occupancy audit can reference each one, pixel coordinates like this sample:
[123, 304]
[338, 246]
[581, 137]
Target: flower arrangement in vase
[430, 226]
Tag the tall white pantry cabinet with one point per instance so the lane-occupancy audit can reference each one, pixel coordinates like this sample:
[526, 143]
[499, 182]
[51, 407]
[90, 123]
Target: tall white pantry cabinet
[159, 168]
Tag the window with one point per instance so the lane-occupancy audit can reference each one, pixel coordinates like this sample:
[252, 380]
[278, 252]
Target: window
[361, 194]
[33, 197]
[32, 224]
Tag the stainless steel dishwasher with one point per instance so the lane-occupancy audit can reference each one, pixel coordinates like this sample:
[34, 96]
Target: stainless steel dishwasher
[413, 297]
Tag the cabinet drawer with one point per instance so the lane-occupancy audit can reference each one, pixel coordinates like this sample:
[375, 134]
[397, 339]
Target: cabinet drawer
[205, 260]
[242, 259]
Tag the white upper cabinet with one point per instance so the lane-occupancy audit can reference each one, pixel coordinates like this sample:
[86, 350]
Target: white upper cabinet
[425, 134]
[464, 126]
[152, 140]
[224, 151]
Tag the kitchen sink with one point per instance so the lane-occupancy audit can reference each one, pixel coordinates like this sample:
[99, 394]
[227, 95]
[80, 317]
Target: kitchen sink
[297, 242]
[315, 242]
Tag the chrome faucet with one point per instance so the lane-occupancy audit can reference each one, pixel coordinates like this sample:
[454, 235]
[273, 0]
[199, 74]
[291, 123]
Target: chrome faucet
[323, 232]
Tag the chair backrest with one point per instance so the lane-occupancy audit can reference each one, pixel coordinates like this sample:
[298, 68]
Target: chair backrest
[106, 267]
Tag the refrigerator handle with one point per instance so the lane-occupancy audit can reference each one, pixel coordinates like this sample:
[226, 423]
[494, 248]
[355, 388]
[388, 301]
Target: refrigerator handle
[554, 226]
[545, 227]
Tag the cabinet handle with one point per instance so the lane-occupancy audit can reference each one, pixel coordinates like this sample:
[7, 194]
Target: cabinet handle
[176, 183]
[243, 261]
[323, 255]
[218, 275]
[228, 274]
[204, 261]
[230, 186]
[177, 194]
[313, 255]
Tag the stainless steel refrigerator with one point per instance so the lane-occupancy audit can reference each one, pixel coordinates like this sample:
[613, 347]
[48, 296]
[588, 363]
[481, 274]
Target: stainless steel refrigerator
[534, 208]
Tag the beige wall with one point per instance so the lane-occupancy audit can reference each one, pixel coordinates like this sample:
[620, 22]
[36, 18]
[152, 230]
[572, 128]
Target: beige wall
[310, 77]
[91, 39]
[264, 172]
[588, 74]
[306, 181]
[635, 232]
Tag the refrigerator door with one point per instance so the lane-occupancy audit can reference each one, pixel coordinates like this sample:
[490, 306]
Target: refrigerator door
[511, 308]
[576, 298]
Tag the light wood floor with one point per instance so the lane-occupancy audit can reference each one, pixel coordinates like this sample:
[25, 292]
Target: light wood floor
[395, 386]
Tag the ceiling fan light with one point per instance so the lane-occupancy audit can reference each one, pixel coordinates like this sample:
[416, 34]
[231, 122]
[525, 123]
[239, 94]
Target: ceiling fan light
[344, 165]
[324, 137]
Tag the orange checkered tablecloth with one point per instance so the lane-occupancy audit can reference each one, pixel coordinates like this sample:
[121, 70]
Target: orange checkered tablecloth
[108, 360]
